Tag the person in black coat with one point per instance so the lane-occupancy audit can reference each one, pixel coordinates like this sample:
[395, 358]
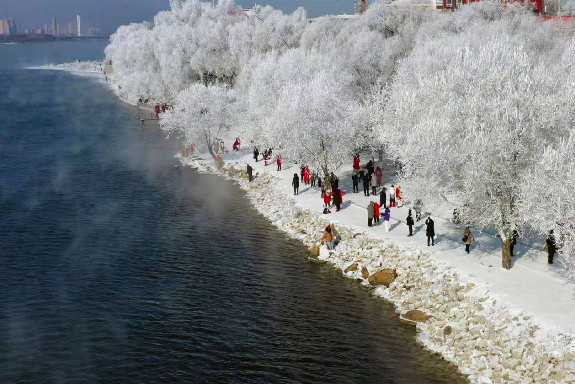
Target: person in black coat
[366, 184]
[383, 197]
[337, 199]
[551, 247]
[430, 230]
[355, 181]
[256, 154]
[295, 184]
[514, 236]
[250, 172]
[410, 223]
[370, 167]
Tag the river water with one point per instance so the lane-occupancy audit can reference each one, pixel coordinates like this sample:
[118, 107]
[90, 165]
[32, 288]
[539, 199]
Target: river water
[119, 266]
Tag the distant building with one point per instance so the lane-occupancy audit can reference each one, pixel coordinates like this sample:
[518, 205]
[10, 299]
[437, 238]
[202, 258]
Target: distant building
[54, 27]
[94, 32]
[72, 29]
[8, 27]
[78, 24]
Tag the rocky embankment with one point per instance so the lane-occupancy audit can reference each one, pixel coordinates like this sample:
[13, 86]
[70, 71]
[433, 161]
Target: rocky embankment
[486, 339]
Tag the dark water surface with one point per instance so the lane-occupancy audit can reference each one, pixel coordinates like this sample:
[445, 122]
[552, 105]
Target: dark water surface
[117, 266]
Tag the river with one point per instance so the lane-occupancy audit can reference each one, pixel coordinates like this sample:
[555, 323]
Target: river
[119, 266]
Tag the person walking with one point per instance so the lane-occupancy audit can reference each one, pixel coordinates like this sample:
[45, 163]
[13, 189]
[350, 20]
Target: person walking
[418, 207]
[430, 230]
[157, 110]
[513, 242]
[382, 197]
[279, 162]
[366, 184]
[306, 175]
[355, 182]
[410, 222]
[314, 178]
[551, 247]
[376, 213]
[370, 214]
[250, 171]
[322, 189]
[256, 154]
[266, 157]
[373, 184]
[392, 196]
[338, 198]
[295, 184]
[386, 217]
[378, 175]
[467, 238]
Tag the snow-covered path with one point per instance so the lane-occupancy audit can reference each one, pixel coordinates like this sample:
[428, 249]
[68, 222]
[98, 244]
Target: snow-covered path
[532, 286]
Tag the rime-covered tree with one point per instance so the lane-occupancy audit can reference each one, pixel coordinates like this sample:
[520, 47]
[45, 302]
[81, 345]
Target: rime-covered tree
[200, 115]
[304, 102]
[467, 116]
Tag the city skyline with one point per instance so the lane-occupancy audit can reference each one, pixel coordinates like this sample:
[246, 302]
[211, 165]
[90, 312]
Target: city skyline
[10, 26]
[108, 15]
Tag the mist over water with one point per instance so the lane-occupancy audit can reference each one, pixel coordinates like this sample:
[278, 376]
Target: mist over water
[119, 266]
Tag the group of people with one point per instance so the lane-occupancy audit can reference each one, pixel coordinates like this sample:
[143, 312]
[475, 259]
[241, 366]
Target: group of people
[159, 108]
[332, 195]
[267, 156]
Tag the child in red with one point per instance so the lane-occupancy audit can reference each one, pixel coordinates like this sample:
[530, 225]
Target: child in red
[326, 199]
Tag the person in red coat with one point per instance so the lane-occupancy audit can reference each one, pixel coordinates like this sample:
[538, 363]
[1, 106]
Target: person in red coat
[326, 199]
[306, 175]
[279, 162]
[398, 196]
[356, 162]
[376, 213]
[237, 143]
[157, 110]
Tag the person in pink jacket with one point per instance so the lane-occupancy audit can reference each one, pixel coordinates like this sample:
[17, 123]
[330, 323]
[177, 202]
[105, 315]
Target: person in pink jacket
[378, 175]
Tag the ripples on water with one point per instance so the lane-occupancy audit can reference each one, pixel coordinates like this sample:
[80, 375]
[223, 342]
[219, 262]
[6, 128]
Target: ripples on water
[117, 266]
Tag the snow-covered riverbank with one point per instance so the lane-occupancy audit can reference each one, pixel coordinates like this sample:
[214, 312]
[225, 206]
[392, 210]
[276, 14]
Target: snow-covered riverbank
[497, 326]
[488, 338]
[81, 68]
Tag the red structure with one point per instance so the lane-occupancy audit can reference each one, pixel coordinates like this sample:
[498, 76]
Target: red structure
[453, 4]
[363, 6]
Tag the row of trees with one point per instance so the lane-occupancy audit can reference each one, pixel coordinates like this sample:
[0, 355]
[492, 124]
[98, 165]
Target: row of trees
[477, 104]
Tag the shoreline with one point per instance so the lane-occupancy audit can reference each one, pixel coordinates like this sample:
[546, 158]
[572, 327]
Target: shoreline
[488, 339]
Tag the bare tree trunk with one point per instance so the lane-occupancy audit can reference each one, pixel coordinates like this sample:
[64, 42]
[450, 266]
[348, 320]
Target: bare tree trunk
[506, 253]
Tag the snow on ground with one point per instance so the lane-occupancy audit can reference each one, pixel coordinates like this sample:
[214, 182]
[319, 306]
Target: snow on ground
[77, 66]
[496, 325]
